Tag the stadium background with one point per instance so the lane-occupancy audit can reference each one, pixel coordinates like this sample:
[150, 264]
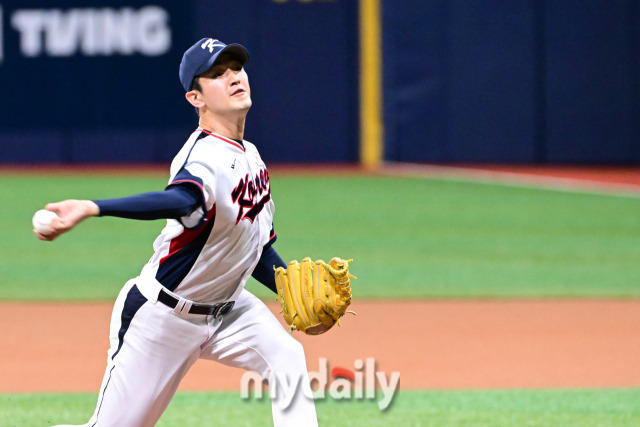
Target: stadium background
[523, 81]
[553, 85]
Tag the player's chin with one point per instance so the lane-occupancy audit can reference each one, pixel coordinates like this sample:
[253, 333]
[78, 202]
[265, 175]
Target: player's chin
[243, 102]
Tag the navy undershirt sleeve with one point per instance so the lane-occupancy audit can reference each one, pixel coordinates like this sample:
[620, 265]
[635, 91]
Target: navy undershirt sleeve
[174, 202]
[263, 272]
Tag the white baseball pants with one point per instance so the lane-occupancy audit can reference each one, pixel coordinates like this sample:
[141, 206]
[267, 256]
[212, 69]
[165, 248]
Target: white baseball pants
[153, 347]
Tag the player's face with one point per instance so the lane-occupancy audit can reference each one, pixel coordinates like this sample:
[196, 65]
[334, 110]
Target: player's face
[225, 87]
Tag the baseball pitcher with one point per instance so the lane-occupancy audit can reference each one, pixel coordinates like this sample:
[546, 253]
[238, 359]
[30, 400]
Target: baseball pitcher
[189, 301]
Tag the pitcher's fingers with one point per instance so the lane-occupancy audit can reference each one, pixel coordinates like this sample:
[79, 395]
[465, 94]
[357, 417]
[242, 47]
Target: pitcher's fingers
[45, 238]
[54, 207]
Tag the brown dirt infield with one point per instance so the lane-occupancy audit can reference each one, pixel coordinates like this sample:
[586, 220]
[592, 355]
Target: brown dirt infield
[61, 347]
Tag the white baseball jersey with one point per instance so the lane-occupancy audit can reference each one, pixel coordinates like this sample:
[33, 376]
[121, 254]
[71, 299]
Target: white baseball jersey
[209, 255]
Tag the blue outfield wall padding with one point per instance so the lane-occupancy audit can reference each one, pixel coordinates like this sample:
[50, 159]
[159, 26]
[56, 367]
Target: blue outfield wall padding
[33, 146]
[590, 82]
[492, 82]
[634, 54]
[130, 146]
[523, 81]
[100, 83]
[416, 81]
[305, 84]
[459, 79]
[303, 73]
[526, 81]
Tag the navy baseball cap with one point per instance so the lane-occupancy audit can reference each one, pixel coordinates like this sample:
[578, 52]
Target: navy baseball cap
[201, 56]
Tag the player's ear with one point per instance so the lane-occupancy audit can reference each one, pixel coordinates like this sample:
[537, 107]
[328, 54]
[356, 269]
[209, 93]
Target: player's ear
[194, 98]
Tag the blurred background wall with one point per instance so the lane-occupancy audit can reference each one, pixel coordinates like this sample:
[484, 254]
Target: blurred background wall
[512, 81]
[520, 81]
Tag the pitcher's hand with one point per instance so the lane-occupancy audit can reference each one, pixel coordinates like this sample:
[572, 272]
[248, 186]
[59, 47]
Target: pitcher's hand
[70, 213]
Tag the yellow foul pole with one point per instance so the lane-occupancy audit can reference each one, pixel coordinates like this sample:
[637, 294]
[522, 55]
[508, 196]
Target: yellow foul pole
[371, 127]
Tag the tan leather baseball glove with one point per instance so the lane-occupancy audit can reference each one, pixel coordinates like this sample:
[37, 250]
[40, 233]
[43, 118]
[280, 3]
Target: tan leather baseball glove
[314, 295]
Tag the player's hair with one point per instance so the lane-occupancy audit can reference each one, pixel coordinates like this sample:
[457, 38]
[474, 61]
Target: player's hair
[196, 86]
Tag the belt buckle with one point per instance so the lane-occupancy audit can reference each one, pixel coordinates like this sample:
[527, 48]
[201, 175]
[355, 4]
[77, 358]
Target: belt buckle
[222, 309]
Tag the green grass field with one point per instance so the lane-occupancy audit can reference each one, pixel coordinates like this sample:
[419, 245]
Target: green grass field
[409, 237]
[495, 408]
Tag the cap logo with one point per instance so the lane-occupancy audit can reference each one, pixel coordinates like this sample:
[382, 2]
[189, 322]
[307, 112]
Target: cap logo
[211, 43]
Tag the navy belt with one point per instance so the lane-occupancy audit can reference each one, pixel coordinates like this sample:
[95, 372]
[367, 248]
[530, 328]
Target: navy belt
[207, 310]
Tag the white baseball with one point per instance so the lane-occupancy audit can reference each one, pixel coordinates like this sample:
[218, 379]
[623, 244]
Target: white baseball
[42, 221]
